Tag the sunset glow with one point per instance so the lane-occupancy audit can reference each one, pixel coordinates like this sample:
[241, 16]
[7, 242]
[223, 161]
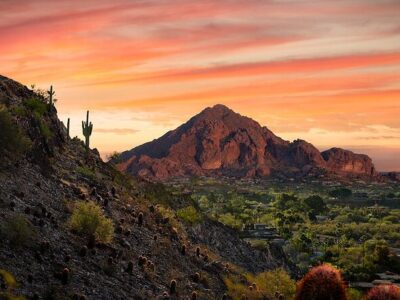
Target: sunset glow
[324, 71]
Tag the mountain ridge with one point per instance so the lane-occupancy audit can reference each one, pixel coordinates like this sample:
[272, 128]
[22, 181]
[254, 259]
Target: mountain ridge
[219, 141]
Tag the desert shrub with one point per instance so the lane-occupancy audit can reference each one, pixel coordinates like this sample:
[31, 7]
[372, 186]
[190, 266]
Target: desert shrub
[189, 215]
[20, 111]
[36, 105]
[316, 204]
[86, 172]
[88, 219]
[11, 138]
[384, 292]
[341, 193]
[157, 193]
[169, 213]
[18, 231]
[11, 284]
[230, 220]
[44, 129]
[264, 285]
[114, 157]
[321, 283]
[353, 294]
[259, 244]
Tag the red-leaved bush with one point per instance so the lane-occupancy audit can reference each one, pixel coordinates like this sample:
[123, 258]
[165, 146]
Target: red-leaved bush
[321, 283]
[384, 292]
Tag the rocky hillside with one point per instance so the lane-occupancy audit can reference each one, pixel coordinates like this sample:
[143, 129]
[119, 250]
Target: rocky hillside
[73, 227]
[219, 141]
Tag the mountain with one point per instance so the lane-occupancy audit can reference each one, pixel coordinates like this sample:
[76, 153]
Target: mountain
[219, 141]
[45, 177]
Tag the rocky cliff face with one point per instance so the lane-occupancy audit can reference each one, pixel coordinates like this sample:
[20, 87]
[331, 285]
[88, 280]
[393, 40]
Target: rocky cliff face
[219, 141]
[344, 161]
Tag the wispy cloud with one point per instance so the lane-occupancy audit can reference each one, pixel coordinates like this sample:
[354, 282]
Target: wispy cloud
[281, 62]
[119, 131]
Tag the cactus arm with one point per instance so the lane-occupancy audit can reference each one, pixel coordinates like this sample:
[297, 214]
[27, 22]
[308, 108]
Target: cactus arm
[68, 123]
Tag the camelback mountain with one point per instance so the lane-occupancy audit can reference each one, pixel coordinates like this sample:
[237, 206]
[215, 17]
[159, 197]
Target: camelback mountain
[219, 141]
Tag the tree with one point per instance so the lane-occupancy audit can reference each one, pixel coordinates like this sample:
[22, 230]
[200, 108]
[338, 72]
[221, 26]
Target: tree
[316, 204]
[341, 193]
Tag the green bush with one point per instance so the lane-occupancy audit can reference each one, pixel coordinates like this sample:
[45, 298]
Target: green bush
[11, 138]
[230, 220]
[20, 111]
[88, 219]
[189, 215]
[114, 157]
[86, 172]
[45, 130]
[36, 105]
[18, 231]
[316, 204]
[264, 285]
[11, 284]
[341, 193]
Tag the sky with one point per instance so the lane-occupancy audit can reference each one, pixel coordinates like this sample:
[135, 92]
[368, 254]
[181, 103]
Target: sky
[324, 71]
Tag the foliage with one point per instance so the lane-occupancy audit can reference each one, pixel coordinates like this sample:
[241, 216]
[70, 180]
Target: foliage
[39, 108]
[263, 285]
[189, 215]
[355, 234]
[44, 129]
[158, 194]
[88, 219]
[11, 138]
[114, 157]
[18, 231]
[36, 105]
[86, 172]
[320, 283]
[230, 220]
[170, 214]
[19, 111]
[353, 294]
[341, 193]
[11, 284]
[316, 204]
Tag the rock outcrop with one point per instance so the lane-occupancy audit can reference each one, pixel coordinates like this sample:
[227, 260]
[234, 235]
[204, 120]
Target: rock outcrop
[344, 161]
[219, 141]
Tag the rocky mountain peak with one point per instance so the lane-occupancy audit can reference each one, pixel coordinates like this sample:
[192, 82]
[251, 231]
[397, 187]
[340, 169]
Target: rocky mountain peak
[219, 141]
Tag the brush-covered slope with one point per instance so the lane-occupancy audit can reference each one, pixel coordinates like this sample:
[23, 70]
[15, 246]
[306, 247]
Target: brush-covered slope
[45, 177]
[219, 141]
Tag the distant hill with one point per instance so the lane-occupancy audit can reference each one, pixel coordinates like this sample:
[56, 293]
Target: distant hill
[219, 141]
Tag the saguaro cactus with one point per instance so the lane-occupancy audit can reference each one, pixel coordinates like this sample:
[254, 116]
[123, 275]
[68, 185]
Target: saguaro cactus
[87, 128]
[51, 93]
[68, 128]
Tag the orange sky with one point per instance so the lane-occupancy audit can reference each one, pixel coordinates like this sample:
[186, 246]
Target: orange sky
[324, 71]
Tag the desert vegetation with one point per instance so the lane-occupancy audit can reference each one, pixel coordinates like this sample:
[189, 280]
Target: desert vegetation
[12, 140]
[88, 219]
[317, 224]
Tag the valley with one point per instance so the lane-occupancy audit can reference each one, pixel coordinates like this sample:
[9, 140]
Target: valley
[352, 224]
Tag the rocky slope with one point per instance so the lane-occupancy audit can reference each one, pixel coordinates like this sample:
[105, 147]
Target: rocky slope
[42, 180]
[219, 141]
